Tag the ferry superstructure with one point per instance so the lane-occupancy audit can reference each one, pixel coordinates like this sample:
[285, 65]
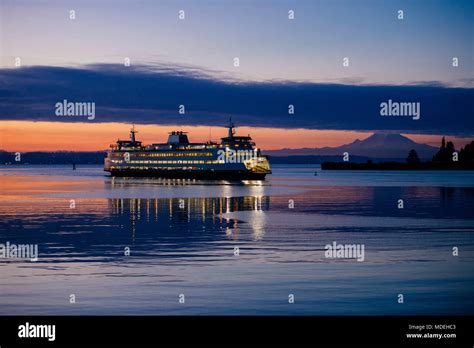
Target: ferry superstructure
[235, 157]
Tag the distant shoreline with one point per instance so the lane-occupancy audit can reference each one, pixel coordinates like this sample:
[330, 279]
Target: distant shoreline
[397, 166]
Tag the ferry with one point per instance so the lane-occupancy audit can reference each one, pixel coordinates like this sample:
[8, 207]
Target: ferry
[235, 157]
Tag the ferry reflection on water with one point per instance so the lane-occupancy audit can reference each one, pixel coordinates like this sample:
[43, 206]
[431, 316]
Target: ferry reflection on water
[184, 214]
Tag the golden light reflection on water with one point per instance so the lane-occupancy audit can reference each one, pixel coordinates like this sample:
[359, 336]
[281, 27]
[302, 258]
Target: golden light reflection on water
[27, 186]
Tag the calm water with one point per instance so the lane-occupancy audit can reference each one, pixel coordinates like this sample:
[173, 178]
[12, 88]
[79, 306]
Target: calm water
[183, 234]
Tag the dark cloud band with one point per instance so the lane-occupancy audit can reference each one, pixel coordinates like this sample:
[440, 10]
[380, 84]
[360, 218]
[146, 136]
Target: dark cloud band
[146, 94]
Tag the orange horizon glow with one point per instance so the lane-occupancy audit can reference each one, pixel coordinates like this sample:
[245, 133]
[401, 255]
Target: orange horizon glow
[26, 136]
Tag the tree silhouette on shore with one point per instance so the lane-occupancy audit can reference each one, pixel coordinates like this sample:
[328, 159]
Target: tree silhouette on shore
[413, 157]
[445, 153]
[467, 153]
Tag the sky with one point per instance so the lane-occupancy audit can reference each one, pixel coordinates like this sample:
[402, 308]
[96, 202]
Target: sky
[281, 62]
[82, 136]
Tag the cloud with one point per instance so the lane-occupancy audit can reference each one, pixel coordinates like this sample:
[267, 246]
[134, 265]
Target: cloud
[151, 94]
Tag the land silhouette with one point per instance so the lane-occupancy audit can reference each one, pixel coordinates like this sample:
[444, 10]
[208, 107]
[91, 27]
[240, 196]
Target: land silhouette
[447, 158]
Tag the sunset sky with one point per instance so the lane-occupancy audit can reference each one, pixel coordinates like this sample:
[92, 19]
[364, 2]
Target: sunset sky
[53, 136]
[191, 62]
